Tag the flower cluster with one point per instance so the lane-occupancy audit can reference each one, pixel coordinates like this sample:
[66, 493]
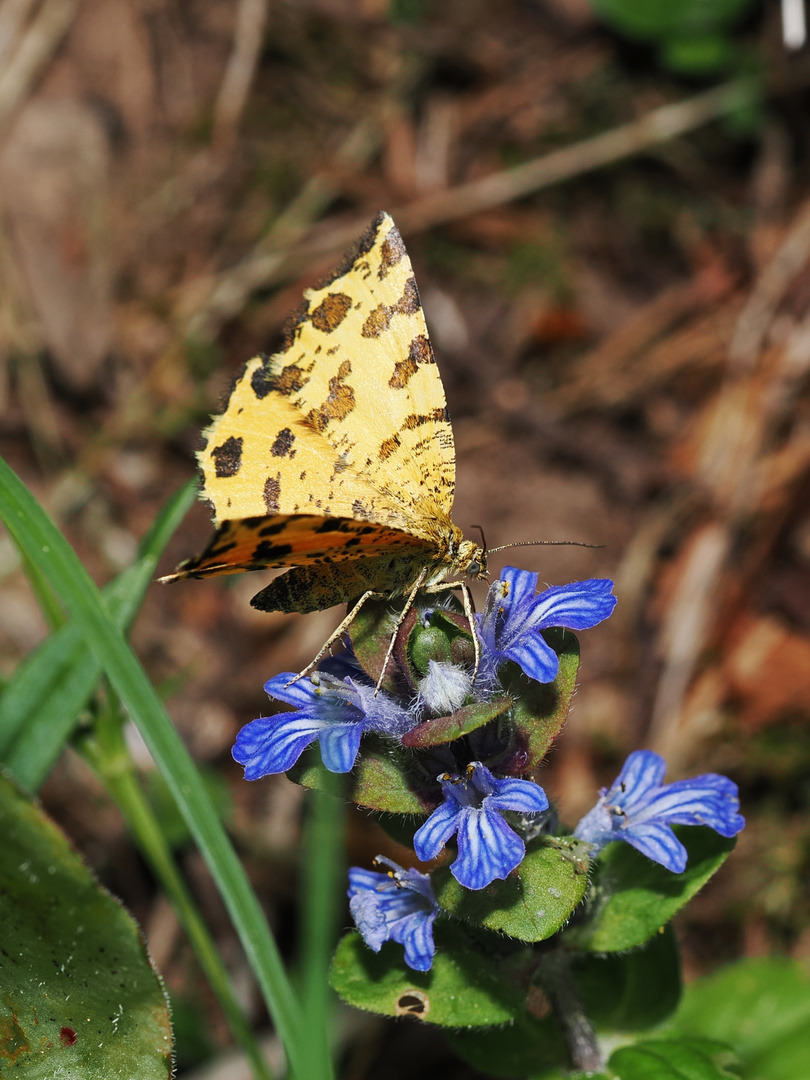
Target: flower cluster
[337, 712]
[339, 704]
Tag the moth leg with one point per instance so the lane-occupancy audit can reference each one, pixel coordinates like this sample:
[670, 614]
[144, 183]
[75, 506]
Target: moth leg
[330, 641]
[400, 620]
[466, 597]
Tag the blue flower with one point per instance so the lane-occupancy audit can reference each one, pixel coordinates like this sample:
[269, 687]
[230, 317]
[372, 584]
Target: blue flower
[396, 906]
[334, 711]
[640, 809]
[473, 804]
[511, 623]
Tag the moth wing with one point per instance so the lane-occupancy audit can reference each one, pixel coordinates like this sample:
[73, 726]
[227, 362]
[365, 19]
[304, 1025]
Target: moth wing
[288, 540]
[350, 421]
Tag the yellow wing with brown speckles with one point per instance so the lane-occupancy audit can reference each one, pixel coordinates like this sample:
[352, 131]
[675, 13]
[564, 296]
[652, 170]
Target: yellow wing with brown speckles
[350, 420]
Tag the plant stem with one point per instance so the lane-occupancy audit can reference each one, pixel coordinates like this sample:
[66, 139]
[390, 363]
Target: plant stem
[558, 982]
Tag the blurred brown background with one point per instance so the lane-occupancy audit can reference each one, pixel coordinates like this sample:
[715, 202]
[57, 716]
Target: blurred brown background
[625, 353]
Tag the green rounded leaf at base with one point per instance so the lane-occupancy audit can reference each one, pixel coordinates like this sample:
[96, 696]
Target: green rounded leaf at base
[533, 903]
[466, 987]
[80, 996]
[674, 1059]
[630, 991]
[761, 1007]
[624, 993]
[527, 1047]
[632, 897]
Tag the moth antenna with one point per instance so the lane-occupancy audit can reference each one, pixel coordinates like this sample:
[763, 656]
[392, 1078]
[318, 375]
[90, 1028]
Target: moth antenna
[544, 543]
[483, 538]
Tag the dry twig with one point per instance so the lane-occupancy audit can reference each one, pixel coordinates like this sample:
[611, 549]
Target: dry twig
[39, 43]
[251, 16]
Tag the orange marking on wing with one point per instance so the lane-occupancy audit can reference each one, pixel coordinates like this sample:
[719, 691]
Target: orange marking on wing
[291, 540]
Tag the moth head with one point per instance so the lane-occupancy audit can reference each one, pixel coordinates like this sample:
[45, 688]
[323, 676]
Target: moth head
[472, 559]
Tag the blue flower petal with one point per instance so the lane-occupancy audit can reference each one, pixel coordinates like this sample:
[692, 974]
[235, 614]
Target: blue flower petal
[416, 933]
[520, 795]
[578, 606]
[641, 809]
[369, 918]
[339, 746]
[704, 800]
[642, 771]
[537, 659]
[395, 906]
[514, 616]
[521, 585]
[300, 693]
[487, 849]
[274, 744]
[431, 837]
[659, 843]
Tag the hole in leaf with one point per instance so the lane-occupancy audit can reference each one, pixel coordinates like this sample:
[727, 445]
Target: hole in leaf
[413, 1003]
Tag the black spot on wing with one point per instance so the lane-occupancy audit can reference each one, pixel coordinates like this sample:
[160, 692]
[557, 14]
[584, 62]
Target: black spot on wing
[267, 380]
[267, 552]
[227, 457]
[272, 528]
[357, 253]
[392, 252]
[282, 444]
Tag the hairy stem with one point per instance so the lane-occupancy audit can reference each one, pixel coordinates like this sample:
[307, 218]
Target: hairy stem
[558, 982]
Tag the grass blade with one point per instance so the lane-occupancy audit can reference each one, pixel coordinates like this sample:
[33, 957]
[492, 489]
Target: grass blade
[60, 565]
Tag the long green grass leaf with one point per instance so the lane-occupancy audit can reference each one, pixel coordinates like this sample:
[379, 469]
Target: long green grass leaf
[49, 550]
[44, 698]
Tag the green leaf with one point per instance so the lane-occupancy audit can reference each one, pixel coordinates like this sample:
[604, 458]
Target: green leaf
[80, 997]
[385, 778]
[528, 1047]
[445, 729]
[619, 993]
[659, 21]
[46, 546]
[541, 709]
[673, 1059]
[533, 903]
[631, 991]
[43, 699]
[760, 1007]
[632, 897]
[706, 54]
[466, 987]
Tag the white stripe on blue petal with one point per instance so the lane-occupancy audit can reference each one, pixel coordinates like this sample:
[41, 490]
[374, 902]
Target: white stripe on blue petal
[659, 843]
[578, 606]
[537, 659]
[274, 744]
[300, 693]
[431, 837]
[520, 795]
[339, 746]
[487, 849]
